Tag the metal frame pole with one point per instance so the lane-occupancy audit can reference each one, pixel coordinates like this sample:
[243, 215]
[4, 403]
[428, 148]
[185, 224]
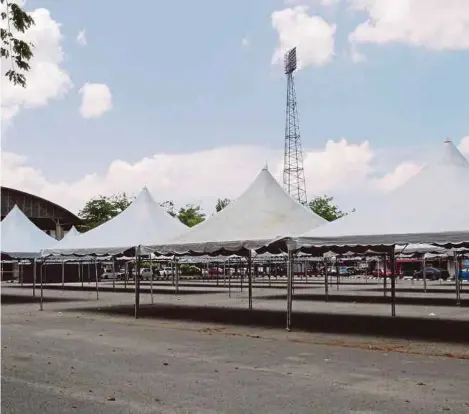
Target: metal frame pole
[250, 279]
[63, 274]
[337, 269]
[96, 273]
[151, 285]
[424, 270]
[385, 280]
[41, 305]
[289, 288]
[326, 281]
[34, 277]
[137, 282]
[457, 280]
[113, 274]
[393, 282]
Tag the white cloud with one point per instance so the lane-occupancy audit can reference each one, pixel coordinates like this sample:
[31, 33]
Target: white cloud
[245, 42]
[345, 170]
[47, 79]
[81, 38]
[433, 24]
[96, 100]
[464, 146]
[311, 35]
[339, 166]
[399, 176]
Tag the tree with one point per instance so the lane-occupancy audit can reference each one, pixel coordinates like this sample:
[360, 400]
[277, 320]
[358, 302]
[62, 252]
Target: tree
[169, 207]
[16, 50]
[221, 204]
[191, 215]
[101, 209]
[324, 207]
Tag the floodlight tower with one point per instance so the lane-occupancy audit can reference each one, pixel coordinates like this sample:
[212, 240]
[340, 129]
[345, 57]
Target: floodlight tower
[293, 172]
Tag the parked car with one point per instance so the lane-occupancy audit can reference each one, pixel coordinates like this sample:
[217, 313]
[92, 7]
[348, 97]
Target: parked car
[146, 273]
[166, 272]
[432, 273]
[212, 271]
[109, 275]
[464, 274]
[380, 273]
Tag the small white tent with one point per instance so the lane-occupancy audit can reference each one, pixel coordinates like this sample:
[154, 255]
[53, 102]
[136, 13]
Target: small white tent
[143, 222]
[432, 207]
[21, 238]
[264, 211]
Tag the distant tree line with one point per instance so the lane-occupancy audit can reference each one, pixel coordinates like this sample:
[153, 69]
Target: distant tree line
[100, 209]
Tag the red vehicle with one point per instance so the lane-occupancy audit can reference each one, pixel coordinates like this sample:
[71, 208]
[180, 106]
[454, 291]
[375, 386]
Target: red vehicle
[212, 271]
[380, 273]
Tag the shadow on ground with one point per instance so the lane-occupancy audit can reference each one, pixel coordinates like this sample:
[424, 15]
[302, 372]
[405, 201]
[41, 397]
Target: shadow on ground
[419, 289]
[129, 289]
[368, 325]
[9, 299]
[372, 299]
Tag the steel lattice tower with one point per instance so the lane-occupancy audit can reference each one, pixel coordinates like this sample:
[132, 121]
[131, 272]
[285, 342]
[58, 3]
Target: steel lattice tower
[293, 172]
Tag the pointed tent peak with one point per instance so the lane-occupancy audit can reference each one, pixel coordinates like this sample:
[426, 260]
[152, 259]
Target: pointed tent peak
[143, 197]
[266, 166]
[451, 156]
[73, 231]
[16, 212]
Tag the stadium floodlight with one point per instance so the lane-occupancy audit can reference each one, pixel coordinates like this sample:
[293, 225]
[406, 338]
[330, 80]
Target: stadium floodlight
[290, 61]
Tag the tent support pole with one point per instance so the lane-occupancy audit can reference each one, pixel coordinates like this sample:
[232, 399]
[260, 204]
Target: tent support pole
[289, 287]
[424, 265]
[137, 282]
[457, 280]
[241, 277]
[151, 285]
[229, 279]
[250, 279]
[176, 271]
[385, 279]
[34, 277]
[80, 272]
[393, 283]
[337, 269]
[41, 304]
[326, 281]
[126, 274]
[113, 274]
[96, 274]
[63, 274]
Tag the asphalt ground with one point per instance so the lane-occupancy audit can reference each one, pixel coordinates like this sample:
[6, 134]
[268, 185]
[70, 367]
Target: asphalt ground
[82, 355]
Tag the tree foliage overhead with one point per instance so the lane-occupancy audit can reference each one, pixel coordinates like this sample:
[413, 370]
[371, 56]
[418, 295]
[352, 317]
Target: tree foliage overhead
[101, 209]
[323, 206]
[19, 52]
[190, 215]
[222, 203]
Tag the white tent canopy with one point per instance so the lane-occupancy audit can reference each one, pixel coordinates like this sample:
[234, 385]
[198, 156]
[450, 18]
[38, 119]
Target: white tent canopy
[432, 207]
[264, 211]
[21, 238]
[143, 222]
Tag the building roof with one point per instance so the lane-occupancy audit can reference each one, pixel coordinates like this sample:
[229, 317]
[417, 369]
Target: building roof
[39, 210]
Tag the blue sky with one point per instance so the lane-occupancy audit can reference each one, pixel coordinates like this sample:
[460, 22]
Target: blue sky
[182, 81]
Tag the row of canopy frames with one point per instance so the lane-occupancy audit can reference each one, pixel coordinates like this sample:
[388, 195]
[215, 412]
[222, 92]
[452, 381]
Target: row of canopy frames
[432, 209]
